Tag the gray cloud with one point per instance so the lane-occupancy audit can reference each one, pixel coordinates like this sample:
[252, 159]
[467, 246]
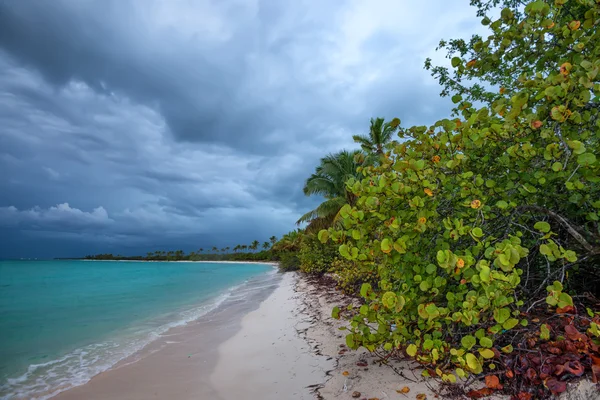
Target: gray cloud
[194, 122]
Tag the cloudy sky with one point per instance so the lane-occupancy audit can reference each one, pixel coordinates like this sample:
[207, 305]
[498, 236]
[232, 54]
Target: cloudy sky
[133, 125]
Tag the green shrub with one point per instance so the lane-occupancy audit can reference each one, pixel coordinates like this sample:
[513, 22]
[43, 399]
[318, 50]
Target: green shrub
[314, 256]
[350, 275]
[288, 261]
[462, 217]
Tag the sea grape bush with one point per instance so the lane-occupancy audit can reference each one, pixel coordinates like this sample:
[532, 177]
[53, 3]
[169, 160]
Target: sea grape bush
[315, 257]
[468, 221]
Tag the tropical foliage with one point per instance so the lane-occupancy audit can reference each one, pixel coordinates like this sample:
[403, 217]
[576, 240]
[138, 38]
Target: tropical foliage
[380, 134]
[329, 181]
[477, 232]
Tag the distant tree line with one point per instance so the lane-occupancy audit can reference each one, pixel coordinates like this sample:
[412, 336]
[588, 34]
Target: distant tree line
[255, 251]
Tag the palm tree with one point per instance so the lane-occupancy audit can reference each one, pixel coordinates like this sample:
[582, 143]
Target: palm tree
[273, 240]
[290, 241]
[329, 181]
[244, 247]
[254, 245]
[215, 249]
[266, 245]
[380, 134]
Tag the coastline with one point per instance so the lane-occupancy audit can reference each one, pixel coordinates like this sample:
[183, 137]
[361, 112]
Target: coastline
[278, 342]
[174, 364]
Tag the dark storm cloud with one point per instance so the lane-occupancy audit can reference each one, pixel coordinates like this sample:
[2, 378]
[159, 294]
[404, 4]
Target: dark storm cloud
[129, 124]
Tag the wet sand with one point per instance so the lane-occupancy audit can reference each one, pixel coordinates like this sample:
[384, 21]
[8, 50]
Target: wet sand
[177, 365]
[249, 348]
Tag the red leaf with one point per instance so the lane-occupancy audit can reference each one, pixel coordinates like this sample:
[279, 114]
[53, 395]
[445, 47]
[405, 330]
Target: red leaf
[546, 370]
[595, 360]
[480, 394]
[575, 368]
[573, 333]
[524, 396]
[570, 347]
[565, 310]
[531, 374]
[595, 373]
[492, 382]
[555, 386]
[554, 350]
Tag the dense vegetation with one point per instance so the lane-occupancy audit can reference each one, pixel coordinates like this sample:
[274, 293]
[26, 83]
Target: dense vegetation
[474, 242]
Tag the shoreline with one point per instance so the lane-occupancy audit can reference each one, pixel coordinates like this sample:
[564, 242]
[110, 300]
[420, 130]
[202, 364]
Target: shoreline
[279, 343]
[256, 343]
[272, 263]
[99, 355]
[174, 364]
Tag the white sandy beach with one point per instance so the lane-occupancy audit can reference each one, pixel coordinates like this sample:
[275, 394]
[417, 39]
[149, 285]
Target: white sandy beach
[282, 345]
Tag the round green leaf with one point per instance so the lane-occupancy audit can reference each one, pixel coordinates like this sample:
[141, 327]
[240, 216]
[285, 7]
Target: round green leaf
[468, 342]
[511, 323]
[486, 342]
[542, 226]
[411, 350]
[586, 159]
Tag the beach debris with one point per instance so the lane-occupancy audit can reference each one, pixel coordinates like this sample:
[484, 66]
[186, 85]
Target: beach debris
[356, 395]
[345, 373]
[421, 396]
[404, 390]
[362, 363]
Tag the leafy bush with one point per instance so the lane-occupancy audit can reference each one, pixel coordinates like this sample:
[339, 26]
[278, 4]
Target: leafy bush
[350, 275]
[469, 219]
[314, 256]
[288, 261]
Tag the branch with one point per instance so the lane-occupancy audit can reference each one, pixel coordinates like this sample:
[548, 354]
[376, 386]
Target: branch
[564, 222]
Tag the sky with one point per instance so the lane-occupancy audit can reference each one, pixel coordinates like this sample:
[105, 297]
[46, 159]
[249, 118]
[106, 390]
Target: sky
[129, 126]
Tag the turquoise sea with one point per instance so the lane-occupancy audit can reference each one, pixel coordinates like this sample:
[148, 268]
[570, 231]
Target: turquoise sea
[62, 322]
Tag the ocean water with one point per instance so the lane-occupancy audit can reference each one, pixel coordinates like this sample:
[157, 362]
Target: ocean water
[62, 322]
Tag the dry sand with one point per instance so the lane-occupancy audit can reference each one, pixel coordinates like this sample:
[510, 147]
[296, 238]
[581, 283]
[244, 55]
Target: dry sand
[268, 359]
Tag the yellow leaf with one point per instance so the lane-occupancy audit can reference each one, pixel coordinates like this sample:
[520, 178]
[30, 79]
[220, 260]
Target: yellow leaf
[404, 390]
[486, 353]
[345, 373]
